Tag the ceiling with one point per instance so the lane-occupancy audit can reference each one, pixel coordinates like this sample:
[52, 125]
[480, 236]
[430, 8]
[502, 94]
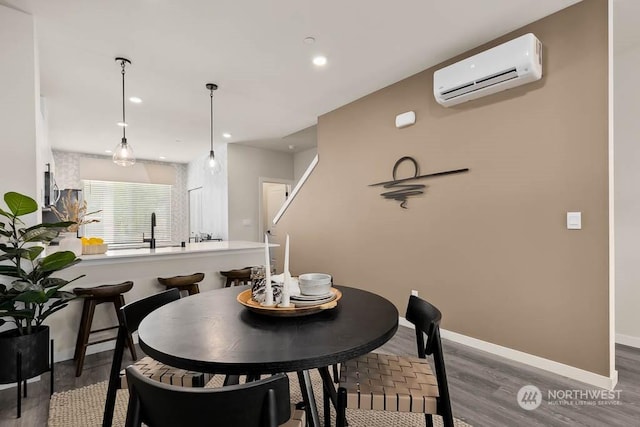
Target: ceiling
[254, 51]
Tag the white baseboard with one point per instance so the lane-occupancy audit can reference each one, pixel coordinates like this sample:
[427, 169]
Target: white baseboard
[629, 340]
[529, 359]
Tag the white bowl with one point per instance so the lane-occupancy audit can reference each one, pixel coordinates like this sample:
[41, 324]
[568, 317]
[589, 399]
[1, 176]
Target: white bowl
[314, 283]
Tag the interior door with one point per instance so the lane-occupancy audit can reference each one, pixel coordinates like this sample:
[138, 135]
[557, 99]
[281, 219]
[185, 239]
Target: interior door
[274, 195]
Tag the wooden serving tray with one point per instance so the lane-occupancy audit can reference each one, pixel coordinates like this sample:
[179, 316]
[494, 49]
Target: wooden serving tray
[245, 299]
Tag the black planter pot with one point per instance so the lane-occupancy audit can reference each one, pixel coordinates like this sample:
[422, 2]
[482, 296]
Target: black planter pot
[35, 354]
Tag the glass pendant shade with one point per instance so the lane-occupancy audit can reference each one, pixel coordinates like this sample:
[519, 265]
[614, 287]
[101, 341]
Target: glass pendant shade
[123, 154]
[212, 164]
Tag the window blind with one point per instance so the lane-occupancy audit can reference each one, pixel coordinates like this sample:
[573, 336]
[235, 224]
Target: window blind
[126, 210]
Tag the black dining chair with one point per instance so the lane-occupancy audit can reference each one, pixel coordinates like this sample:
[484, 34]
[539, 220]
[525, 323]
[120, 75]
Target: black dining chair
[132, 314]
[263, 403]
[396, 383]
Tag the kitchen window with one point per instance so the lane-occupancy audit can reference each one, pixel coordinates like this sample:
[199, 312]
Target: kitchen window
[126, 210]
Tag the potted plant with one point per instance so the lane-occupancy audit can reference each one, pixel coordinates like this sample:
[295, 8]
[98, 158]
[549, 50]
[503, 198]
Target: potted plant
[75, 212]
[28, 293]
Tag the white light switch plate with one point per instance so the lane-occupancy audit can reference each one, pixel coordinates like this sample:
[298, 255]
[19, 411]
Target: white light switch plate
[574, 220]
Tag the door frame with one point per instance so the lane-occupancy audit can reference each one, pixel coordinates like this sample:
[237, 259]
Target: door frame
[263, 180]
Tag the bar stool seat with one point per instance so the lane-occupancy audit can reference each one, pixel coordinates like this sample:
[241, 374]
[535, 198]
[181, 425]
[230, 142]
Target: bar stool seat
[237, 277]
[183, 283]
[91, 298]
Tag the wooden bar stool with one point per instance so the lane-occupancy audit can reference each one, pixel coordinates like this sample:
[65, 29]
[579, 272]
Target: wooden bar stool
[183, 283]
[92, 297]
[237, 277]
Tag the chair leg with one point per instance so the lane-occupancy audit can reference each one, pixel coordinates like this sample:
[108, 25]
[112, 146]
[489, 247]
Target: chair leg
[118, 302]
[84, 339]
[83, 324]
[114, 377]
[341, 409]
[428, 420]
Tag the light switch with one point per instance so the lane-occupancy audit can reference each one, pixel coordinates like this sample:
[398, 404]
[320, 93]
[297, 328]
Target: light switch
[574, 220]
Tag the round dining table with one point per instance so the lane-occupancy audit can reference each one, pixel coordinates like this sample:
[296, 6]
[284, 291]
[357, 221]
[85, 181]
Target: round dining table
[212, 332]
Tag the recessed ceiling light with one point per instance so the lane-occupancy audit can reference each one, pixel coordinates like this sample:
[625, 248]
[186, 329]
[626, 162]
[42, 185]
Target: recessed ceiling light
[226, 135]
[309, 40]
[135, 100]
[162, 157]
[108, 151]
[320, 60]
[122, 124]
[291, 147]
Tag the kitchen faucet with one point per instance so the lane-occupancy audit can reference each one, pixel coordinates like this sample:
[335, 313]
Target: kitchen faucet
[152, 240]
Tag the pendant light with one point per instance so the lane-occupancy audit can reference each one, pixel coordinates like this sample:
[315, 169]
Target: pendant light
[123, 153]
[212, 164]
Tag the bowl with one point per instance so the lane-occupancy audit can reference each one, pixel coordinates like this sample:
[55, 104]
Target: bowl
[314, 283]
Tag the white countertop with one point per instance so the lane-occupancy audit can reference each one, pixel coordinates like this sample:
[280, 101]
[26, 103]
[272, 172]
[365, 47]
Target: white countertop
[189, 249]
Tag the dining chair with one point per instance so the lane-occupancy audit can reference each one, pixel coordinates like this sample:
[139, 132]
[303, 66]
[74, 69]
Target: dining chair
[396, 383]
[254, 404]
[132, 314]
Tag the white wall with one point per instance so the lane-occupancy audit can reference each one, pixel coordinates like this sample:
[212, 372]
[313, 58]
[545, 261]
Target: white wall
[214, 213]
[301, 162]
[19, 104]
[246, 166]
[627, 194]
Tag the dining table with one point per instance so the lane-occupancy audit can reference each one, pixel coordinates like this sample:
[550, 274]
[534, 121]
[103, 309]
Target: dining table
[213, 332]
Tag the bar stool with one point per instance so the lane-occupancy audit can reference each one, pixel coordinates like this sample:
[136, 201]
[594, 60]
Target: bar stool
[92, 297]
[183, 283]
[237, 277]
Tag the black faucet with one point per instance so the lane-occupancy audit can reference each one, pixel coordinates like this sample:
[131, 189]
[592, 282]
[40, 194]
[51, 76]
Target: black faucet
[152, 240]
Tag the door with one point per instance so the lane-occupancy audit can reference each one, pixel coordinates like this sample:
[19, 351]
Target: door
[273, 197]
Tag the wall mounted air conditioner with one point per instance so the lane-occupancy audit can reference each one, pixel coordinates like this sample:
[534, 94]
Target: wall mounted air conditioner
[508, 65]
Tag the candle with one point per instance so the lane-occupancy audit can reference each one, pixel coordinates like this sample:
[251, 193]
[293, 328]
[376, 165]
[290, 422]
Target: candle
[287, 276]
[268, 290]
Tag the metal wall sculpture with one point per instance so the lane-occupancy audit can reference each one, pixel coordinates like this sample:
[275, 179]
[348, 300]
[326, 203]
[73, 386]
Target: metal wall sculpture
[403, 191]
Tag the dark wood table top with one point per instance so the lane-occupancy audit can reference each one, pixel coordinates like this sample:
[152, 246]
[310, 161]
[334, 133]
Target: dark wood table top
[212, 332]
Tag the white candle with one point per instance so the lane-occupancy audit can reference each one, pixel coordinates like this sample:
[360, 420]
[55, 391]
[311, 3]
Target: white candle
[287, 276]
[268, 290]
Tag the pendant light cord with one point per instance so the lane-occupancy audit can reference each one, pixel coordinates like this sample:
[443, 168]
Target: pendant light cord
[211, 95]
[124, 122]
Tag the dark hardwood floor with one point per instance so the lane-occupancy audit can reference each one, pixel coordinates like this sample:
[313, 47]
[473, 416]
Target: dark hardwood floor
[483, 389]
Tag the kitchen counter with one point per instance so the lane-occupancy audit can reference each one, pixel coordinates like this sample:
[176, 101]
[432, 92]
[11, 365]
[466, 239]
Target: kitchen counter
[201, 248]
[143, 266]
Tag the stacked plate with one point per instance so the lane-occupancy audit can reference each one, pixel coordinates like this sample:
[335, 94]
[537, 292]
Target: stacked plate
[310, 300]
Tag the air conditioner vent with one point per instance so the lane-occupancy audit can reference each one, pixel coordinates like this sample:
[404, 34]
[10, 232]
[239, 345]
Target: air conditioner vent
[508, 65]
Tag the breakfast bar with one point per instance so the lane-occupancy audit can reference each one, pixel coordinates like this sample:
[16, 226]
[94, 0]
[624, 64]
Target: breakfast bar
[143, 266]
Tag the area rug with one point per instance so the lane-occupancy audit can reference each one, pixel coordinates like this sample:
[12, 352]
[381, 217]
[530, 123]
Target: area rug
[83, 407]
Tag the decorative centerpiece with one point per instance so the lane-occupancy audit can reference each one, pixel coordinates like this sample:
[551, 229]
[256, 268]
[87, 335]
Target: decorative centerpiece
[76, 213]
[28, 293]
[281, 296]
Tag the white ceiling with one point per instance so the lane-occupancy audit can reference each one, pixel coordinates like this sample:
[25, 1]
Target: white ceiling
[253, 50]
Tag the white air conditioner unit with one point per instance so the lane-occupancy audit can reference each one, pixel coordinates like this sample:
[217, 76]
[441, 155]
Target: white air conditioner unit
[508, 65]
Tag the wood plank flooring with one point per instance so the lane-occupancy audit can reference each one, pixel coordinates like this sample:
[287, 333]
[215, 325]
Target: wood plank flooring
[483, 389]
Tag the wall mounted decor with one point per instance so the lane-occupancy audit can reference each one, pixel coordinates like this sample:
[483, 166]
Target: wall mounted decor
[404, 191]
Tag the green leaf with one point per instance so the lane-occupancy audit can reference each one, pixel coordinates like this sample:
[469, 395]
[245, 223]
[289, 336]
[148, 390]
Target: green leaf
[37, 297]
[33, 252]
[24, 285]
[56, 261]
[39, 234]
[11, 271]
[19, 204]
[53, 282]
[5, 213]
